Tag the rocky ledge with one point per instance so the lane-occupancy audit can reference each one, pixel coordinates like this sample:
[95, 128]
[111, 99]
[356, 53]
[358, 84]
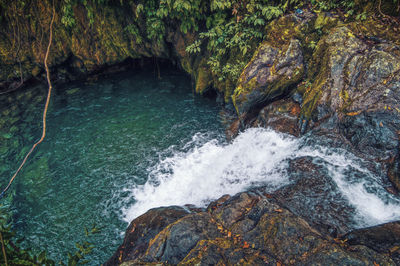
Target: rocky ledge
[250, 228]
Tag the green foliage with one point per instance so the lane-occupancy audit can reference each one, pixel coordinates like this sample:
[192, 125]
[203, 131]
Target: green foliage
[232, 28]
[68, 18]
[133, 30]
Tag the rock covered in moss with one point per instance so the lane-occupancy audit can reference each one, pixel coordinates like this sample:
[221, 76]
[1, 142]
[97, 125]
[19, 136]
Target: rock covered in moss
[349, 83]
[246, 229]
[277, 65]
[269, 75]
[355, 92]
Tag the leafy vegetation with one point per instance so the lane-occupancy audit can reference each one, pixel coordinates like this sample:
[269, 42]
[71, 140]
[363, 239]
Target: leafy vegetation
[224, 27]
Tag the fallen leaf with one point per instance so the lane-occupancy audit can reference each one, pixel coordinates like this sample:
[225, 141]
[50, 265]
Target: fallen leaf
[278, 210]
[353, 113]
[246, 245]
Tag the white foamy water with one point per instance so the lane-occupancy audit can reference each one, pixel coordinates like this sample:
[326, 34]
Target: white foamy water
[257, 157]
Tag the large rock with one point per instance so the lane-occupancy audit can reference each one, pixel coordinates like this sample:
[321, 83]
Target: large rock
[142, 230]
[269, 75]
[281, 116]
[350, 91]
[248, 228]
[355, 92]
[277, 65]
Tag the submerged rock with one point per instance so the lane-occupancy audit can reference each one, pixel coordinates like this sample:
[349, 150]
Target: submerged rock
[248, 228]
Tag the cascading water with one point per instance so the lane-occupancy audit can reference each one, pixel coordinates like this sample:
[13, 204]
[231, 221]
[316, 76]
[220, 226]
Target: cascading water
[206, 170]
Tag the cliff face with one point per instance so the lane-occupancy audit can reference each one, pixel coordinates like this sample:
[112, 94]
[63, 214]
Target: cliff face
[340, 81]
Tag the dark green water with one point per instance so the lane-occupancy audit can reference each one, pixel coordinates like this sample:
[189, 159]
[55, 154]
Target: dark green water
[102, 138]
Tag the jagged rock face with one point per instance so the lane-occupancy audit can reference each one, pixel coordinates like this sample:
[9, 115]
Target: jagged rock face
[247, 228]
[350, 87]
[355, 92]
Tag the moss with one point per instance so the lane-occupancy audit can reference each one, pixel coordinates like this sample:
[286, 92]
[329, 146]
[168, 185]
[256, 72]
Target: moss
[372, 29]
[325, 22]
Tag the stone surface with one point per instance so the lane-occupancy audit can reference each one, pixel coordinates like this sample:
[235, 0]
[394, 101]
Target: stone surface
[281, 116]
[269, 75]
[355, 92]
[142, 230]
[246, 229]
[314, 196]
[383, 238]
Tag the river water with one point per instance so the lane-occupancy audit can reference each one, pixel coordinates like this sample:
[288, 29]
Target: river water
[123, 144]
[101, 139]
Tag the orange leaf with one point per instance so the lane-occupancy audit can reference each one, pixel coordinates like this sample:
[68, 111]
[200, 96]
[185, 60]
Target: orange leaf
[229, 234]
[246, 245]
[278, 210]
[353, 113]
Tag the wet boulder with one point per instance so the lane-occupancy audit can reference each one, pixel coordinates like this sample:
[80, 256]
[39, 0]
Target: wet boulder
[142, 230]
[248, 228]
[314, 196]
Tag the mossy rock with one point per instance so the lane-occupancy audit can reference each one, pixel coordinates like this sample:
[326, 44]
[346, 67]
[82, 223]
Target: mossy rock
[270, 74]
